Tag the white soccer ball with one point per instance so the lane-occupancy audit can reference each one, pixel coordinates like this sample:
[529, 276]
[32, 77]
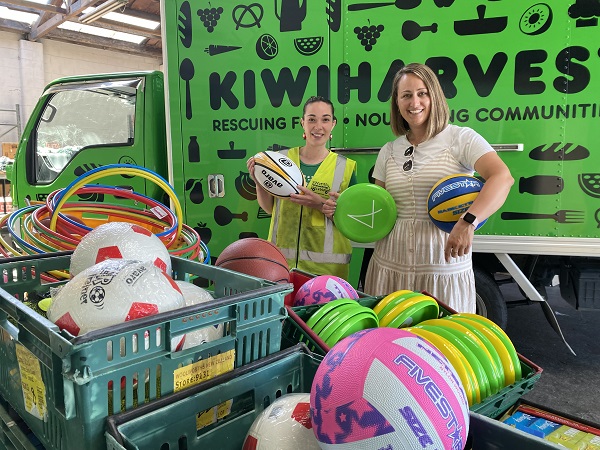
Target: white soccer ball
[112, 292]
[285, 424]
[277, 174]
[119, 240]
[194, 295]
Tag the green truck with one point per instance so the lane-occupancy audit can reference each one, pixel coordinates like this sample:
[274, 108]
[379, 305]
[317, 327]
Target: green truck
[523, 74]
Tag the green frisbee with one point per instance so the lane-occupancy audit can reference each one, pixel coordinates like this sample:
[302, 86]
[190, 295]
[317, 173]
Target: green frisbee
[365, 212]
[361, 321]
[325, 308]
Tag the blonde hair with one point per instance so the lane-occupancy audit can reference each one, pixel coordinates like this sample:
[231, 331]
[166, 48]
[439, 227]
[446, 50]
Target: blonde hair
[439, 114]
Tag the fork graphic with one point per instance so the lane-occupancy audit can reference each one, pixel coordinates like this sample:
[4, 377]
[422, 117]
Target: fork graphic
[560, 216]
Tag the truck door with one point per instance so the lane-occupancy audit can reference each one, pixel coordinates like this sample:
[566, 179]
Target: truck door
[77, 127]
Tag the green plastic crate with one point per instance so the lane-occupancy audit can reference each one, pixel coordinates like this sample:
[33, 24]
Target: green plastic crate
[14, 433]
[76, 373]
[171, 421]
[295, 330]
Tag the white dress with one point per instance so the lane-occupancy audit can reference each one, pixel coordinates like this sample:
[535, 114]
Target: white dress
[412, 255]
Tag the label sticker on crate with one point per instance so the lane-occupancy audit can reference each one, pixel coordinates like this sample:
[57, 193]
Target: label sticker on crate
[212, 415]
[203, 370]
[34, 390]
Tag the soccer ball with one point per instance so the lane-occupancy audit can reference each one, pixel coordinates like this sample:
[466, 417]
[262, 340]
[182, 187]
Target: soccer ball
[323, 289]
[388, 388]
[284, 424]
[194, 295]
[119, 240]
[112, 292]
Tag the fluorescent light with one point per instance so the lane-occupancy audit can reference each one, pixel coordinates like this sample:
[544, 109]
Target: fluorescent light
[102, 10]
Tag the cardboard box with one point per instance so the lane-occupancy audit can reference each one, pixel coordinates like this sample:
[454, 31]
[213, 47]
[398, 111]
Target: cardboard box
[9, 149]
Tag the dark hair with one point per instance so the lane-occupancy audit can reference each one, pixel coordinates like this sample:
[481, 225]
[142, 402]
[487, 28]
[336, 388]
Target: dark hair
[318, 98]
[439, 114]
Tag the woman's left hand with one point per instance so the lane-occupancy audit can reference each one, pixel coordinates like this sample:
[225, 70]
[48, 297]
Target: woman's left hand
[460, 240]
[330, 205]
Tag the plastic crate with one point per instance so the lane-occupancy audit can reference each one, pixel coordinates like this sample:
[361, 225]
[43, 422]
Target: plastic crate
[82, 380]
[489, 434]
[295, 330]
[14, 433]
[170, 422]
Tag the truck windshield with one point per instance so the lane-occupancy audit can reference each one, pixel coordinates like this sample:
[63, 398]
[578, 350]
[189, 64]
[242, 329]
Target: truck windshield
[78, 118]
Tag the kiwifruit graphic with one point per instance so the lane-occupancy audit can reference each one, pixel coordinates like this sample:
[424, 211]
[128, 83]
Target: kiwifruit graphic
[536, 19]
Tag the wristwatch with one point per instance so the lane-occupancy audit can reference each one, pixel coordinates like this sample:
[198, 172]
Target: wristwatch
[470, 218]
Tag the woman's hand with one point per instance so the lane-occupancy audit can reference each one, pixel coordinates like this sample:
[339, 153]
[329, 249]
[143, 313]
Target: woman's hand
[460, 240]
[307, 198]
[330, 205]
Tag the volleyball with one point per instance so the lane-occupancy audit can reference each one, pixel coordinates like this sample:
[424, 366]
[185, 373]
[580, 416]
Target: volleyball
[112, 292]
[323, 289]
[388, 388]
[119, 240]
[450, 197]
[277, 174]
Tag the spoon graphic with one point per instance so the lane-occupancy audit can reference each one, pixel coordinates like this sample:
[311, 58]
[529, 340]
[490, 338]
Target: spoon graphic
[186, 72]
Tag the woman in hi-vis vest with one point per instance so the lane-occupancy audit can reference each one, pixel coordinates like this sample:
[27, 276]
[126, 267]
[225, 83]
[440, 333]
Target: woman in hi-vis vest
[302, 226]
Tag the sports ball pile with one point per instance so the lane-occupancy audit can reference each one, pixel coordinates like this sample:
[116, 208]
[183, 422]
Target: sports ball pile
[323, 289]
[121, 272]
[277, 174]
[382, 388]
[112, 292]
[481, 352]
[285, 424]
[450, 197]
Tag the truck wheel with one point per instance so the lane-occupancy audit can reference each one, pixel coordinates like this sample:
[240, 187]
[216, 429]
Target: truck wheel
[489, 298]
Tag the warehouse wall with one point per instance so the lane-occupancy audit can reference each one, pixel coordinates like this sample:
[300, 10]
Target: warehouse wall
[26, 67]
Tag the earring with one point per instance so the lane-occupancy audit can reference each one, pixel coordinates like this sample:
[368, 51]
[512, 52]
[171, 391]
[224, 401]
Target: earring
[304, 136]
[330, 136]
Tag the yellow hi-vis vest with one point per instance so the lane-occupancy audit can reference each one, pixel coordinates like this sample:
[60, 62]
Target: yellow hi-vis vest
[310, 241]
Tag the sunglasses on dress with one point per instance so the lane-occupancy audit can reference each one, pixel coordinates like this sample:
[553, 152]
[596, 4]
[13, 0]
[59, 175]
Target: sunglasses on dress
[408, 164]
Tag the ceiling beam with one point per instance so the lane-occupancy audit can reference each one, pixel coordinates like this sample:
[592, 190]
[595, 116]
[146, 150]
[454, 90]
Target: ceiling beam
[48, 22]
[32, 7]
[73, 37]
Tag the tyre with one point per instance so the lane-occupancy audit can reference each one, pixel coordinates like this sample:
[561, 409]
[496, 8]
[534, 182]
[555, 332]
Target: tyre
[489, 298]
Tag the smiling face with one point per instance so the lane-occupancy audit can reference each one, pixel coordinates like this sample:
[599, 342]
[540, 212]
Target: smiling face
[414, 102]
[317, 123]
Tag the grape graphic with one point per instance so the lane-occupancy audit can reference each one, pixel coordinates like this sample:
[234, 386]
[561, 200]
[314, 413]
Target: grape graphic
[209, 17]
[368, 35]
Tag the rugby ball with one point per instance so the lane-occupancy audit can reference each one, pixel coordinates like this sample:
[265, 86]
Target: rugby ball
[277, 174]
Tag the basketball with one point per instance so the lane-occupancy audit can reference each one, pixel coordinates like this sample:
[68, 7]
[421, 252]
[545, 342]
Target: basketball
[277, 174]
[323, 289]
[388, 388]
[256, 257]
[450, 197]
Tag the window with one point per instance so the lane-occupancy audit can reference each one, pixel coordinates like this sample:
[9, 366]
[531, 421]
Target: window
[83, 116]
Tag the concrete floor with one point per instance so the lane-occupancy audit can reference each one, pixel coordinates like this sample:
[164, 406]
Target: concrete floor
[569, 384]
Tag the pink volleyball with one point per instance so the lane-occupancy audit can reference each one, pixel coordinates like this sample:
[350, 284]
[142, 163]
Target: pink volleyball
[388, 388]
[323, 289]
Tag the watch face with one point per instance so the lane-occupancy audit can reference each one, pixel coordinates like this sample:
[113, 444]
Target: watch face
[469, 218]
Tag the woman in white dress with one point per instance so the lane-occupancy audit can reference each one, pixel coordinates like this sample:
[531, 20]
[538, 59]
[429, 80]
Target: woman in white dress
[416, 255]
